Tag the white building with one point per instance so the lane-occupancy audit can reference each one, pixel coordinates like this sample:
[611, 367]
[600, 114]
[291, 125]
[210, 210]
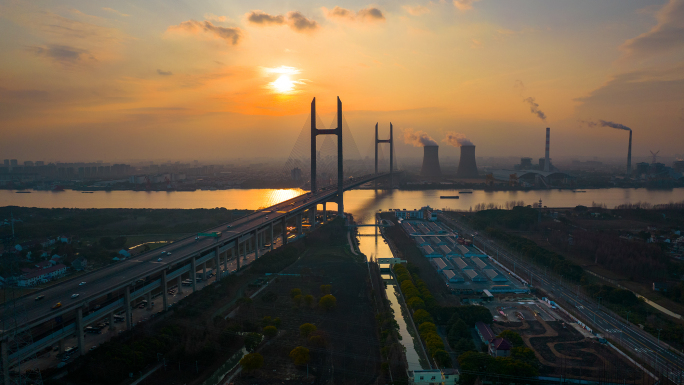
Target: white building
[42, 275]
[434, 376]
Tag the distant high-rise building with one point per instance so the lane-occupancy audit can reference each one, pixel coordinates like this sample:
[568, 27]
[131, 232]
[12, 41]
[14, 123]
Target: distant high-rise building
[296, 174]
[13, 162]
[28, 163]
[40, 163]
[6, 163]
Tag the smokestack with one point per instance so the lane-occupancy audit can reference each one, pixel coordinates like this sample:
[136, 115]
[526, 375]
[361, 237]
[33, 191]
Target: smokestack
[629, 155]
[431, 167]
[546, 156]
[467, 167]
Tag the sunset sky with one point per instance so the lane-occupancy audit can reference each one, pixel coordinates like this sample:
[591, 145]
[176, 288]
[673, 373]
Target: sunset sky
[206, 79]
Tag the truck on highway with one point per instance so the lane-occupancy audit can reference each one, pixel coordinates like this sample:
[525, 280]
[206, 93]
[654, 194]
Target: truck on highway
[213, 234]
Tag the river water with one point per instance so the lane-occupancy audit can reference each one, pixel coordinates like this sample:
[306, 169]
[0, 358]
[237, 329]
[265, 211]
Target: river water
[358, 202]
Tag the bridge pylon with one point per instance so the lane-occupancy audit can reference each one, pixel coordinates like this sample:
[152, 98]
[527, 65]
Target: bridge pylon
[340, 167]
[391, 143]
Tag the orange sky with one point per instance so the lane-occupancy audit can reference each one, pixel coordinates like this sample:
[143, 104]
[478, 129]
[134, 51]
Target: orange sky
[80, 80]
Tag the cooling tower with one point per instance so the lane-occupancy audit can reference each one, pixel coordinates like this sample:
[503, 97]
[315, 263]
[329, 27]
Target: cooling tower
[629, 155]
[431, 167]
[467, 167]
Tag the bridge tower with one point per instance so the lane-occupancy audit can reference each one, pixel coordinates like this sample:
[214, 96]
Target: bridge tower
[391, 143]
[340, 171]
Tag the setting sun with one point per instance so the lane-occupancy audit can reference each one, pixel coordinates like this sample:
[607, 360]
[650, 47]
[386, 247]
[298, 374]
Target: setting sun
[283, 84]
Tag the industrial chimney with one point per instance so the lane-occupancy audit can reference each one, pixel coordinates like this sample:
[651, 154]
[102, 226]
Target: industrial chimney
[431, 167]
[629, 155]
[546, 156]
[467, 167]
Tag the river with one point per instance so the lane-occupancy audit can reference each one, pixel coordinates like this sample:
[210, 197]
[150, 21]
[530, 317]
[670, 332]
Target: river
[359, 202]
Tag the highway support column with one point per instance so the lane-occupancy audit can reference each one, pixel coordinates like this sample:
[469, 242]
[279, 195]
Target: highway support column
[127, 307]
[257, 243]
[180, 284]
[217, 263]
[193, 274]
[165, 291]
[272, 240]
[312, 213]
[5, 362]
[325, 214]
[79, 331]
[284, 229]
[204, 273]
[299, 224]
[232, 253]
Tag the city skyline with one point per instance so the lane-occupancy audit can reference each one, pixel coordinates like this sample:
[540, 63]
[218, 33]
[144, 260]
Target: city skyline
[86, 81]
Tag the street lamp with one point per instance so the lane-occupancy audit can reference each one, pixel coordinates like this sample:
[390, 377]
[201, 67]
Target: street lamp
[628, 311]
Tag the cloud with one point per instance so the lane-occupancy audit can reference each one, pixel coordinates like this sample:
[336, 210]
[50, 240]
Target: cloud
[370, 14]
[294, 19]
[62, 54]
[164, 73]
[464, 5]
[666, 36]
[639, 88]
[261, 18]
[212, 17]
[300, 23]
[114, 11]
[231, 35]
[417, 10]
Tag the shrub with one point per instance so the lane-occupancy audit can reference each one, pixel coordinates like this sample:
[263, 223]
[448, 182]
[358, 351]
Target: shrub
[270, 331]
[299, 355]
[309, 299]
[251, 362]
[306, 329]
[252, 341]
[327, 302]
[325, 289]
[295, 292]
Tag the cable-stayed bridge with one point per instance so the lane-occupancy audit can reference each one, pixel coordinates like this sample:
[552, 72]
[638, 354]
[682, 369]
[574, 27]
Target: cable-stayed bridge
[115, 289]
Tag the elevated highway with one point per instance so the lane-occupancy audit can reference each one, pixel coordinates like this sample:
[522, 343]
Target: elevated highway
[114, 289]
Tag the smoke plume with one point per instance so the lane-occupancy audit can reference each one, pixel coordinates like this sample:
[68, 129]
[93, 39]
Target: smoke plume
[604, 123]
[457, 140]
[418, 138]
[534, 108]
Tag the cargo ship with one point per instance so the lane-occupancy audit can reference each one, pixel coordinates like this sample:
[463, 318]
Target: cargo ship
[449, 197]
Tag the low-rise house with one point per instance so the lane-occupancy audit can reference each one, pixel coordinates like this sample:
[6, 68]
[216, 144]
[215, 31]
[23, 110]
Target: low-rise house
[499, 347]
[485, 332]
[39, 275]
[659, 286]
[434, 376]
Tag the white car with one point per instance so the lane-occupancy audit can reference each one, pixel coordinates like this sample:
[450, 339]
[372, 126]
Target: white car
[82, 283]
[169, 253]
[163, 252]
[159, 260]
[74, 295]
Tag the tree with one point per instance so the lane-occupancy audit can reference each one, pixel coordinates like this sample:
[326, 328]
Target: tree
[306, 329]
[415, 303]
[252, 341]
[295, 292]
[442, 358]
[524, 354]
[421, 316]
[297, 299]
[270, 331]
[252, 362]
[327, 302]
[512, 337]
[464, 345]
[299, 355]
[427, 327]
[325, 289]
[309, 299]
[266, 321]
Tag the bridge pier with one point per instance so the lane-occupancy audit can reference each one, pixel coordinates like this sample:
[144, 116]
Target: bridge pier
[272, 240]
[180, 284]
[244, 250]
[79, 331]
[299, 224]
[284, 229]
[312, 215]
[204, 272]
[257, 243]
[127, 307]
[193, 274]
[217, 264]
[165, 291]
[325, 214]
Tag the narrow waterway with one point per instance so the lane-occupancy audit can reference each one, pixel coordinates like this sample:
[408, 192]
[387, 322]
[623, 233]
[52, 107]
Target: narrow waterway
[371, 243]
